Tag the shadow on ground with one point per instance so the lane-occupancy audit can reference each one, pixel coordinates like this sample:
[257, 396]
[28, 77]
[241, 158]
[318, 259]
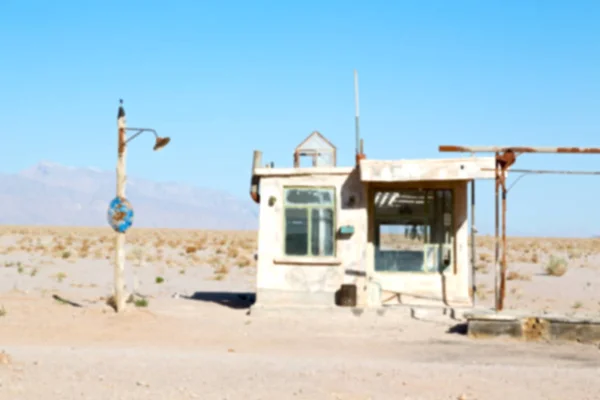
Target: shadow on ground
[235, 300]
[459, 329]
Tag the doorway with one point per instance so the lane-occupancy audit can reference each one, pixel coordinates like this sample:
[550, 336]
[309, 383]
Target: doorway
[414, 230]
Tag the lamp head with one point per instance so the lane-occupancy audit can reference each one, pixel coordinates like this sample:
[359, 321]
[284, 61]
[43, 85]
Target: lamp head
[161, 142]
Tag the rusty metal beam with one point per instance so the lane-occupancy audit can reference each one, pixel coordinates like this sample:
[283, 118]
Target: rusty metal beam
[518, 149]
[505, 158]
[547, 171]
[497, 240]
[473, 246]
[504, 247]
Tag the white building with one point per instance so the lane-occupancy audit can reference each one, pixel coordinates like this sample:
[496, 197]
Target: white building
[378, 233]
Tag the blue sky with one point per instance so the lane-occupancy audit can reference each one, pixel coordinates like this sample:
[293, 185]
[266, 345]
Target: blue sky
[225, 77]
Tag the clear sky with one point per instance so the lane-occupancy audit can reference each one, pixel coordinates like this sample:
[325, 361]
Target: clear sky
[225, 77]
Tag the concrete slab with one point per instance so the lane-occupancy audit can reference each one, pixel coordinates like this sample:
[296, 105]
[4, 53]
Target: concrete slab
[534, 327]
[424, 313]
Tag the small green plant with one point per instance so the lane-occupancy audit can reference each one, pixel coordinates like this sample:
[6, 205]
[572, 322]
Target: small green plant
[577, 305]
[556, 266]
[182, 271]
[8, 264]
[66, 254]
[2, 311]
[20, 268]
[61, 276]
[159, 279]
[141, 303]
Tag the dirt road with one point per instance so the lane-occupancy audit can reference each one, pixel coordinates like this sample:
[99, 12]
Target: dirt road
[186, 349]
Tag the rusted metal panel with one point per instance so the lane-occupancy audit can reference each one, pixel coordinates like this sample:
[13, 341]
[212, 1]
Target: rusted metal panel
[518, 149]
[427, 170]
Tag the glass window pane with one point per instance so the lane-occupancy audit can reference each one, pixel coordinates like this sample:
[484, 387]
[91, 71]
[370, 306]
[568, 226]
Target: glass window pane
[303, 196]
[296, 231]
[400, 247]
[322, 232]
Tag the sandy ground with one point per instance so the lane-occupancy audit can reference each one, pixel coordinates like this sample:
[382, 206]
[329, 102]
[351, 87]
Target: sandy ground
[207, 347]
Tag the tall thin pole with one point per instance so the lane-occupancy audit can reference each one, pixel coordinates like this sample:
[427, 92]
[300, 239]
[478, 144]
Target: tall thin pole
[497, 239]
[503, 272]
[357, 113]
[119, 280]
[473, 247]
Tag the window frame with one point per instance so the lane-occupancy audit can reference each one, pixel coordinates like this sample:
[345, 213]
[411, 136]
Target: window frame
[377, 231]
[309, 208]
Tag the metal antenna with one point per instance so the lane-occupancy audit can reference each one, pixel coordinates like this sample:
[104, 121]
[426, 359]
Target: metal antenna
[357, 114]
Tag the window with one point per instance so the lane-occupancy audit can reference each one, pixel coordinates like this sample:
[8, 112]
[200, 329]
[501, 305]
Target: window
[309, 221]
[414, 230]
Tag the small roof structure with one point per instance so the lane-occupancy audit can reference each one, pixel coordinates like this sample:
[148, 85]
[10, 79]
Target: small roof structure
[322, 151]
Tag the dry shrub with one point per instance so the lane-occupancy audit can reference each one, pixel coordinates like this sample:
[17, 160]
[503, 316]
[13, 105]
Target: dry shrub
[195, 259]
[221, 269]
[556, 266]
[484, 257]
[214, 260]
[170, 262]
[191, 249]
[244, 262]
[515, 276]
[233, 252]
[98, 254]
[481, 268]
[201, 243]
[574, 254]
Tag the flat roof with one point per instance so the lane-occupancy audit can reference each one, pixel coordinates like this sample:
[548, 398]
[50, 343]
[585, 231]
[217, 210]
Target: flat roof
[303, 171]
[465, 168]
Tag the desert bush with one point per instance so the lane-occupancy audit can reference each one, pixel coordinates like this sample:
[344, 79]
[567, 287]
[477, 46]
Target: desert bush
[515, 276]
[556, 266]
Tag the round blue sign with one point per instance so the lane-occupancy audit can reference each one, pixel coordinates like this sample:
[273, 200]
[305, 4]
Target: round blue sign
[120, 214]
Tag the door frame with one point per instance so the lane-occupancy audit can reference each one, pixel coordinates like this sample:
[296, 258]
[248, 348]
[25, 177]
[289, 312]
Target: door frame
[373, 187]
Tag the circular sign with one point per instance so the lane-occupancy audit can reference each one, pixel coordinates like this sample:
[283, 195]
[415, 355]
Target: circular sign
[120, 214]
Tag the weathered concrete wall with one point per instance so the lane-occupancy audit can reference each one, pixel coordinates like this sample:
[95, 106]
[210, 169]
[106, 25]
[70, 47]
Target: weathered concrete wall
[288, 280]
[583, 329]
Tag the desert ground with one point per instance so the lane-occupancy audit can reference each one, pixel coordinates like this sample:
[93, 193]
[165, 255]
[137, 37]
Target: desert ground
[188, 334]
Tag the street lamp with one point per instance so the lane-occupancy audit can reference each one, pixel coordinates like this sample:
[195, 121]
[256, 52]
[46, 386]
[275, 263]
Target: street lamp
[160, 141]
[120, 211]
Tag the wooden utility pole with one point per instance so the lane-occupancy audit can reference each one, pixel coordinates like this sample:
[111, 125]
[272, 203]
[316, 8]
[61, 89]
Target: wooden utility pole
[119, 279]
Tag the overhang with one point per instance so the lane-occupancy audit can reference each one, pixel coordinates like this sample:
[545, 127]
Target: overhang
[427, 170]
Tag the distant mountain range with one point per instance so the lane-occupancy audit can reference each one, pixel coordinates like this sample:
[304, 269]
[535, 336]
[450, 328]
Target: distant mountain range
[52, 194]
